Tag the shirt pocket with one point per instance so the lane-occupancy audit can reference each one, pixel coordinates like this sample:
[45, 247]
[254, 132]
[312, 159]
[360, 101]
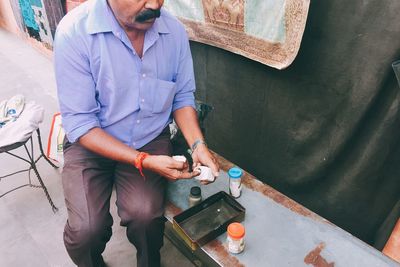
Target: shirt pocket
[161, 94]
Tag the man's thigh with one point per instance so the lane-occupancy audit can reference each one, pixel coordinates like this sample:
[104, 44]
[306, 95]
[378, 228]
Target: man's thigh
[142, 197]
[87, 182]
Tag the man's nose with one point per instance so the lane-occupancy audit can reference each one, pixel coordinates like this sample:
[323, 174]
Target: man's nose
[153, 4]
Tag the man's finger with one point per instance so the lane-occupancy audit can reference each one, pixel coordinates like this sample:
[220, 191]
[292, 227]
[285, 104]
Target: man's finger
[205, 182]
[179, 174]
[185, 175]
[213, 165]
[196, 164]
[179, 165]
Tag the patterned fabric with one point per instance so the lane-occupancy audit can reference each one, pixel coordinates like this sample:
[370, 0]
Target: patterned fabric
[268, 31]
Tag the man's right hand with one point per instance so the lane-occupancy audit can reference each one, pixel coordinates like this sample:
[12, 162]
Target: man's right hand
[168, 167]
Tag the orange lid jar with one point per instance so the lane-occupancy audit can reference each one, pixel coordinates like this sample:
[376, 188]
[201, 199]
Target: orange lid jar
[235, 237]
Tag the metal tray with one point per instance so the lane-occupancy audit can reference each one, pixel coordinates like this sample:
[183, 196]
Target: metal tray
[208, 219]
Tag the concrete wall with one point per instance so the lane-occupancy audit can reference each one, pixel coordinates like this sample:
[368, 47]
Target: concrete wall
[7, 18]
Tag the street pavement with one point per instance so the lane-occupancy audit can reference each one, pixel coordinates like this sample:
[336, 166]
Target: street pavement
[30, 233]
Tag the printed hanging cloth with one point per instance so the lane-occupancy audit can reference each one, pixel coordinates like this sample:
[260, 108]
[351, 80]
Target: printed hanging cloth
[267, 31]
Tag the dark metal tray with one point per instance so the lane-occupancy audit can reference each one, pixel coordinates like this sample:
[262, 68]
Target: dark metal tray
[207, 220]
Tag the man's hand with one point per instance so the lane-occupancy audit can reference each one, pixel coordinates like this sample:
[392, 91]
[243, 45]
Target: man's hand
[186, 119]
[202, 156]
[168, 167]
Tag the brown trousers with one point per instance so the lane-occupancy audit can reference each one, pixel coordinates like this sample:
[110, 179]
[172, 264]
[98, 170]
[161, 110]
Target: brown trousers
[88, 180]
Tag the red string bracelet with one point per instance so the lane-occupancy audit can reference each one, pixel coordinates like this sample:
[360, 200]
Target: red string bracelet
[139, 161]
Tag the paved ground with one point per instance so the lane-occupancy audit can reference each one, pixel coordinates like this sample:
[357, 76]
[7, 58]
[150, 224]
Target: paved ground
[30, 233]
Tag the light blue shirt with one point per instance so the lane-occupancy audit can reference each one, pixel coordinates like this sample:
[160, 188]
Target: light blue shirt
[102, 82]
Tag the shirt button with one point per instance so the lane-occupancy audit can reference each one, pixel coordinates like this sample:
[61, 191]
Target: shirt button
[138, 121]
[144, 75]
[142, 100]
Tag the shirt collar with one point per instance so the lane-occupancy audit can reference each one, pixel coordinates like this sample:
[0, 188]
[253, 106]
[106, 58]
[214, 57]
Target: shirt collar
[101, 19]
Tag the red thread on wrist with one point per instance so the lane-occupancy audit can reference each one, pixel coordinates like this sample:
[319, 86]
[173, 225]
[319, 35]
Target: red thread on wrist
[138, 162]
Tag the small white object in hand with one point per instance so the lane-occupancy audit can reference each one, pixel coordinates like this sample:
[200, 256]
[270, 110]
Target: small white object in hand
[205, 174]
[179, 158]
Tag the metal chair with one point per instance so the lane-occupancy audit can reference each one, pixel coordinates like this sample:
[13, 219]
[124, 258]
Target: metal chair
[32, 166]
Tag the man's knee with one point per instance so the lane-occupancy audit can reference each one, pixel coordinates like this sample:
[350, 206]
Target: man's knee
[87, 235]
[144, 212]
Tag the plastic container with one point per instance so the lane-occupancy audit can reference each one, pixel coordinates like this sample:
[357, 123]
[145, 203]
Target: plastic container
[194, 196]
[235, 181]
[205, 174]
[235, 237]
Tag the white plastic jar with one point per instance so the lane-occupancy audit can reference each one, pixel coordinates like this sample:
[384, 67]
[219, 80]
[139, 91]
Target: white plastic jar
[235, 238]
[235, 181]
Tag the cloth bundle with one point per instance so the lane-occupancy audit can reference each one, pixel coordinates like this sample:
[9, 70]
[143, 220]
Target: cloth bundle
[18, 120]
[11, 109]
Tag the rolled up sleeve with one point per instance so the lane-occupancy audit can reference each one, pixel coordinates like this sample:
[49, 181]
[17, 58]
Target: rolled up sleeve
[185, 82]
[75, 86]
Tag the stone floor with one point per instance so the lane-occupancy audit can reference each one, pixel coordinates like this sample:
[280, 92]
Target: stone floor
[30, 233]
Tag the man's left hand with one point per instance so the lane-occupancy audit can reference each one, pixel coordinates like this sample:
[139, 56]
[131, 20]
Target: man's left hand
[202, 156]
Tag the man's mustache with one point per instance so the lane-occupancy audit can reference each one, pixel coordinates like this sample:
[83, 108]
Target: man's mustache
[147, 14]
